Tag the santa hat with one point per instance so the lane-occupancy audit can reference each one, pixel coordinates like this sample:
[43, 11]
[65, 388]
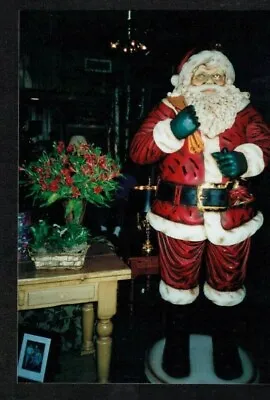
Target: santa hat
[193, 60]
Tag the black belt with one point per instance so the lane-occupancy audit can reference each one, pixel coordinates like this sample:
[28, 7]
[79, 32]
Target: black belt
[207, 197]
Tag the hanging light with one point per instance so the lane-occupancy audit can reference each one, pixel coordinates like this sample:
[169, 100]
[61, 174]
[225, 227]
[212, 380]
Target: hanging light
[131, 44]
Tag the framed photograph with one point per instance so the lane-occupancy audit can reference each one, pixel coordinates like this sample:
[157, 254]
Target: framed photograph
[33, 357]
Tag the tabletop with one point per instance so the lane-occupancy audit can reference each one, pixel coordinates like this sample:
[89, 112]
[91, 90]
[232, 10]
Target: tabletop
[100, 261]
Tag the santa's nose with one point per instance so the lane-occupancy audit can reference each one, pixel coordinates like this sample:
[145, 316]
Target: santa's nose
[210, 80]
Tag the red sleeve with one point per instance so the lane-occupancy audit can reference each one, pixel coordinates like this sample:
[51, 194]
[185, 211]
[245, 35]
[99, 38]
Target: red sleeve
[143, 149]
[258, 132]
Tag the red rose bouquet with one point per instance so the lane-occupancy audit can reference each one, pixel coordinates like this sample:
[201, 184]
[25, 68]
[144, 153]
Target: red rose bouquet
[75, 173]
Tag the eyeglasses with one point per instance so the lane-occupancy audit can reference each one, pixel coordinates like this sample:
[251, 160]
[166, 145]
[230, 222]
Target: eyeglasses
[202, 78]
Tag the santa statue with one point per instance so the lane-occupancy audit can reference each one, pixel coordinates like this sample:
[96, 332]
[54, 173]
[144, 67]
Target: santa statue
[208, 141]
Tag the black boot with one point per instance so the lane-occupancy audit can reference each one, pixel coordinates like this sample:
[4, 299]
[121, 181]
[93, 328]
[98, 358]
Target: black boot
[176, 362]
[226, 358]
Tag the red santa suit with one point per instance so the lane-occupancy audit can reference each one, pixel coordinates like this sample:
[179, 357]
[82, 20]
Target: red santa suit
[186, 232]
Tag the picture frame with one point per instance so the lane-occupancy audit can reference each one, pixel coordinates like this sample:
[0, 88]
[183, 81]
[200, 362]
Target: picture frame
[33, 357]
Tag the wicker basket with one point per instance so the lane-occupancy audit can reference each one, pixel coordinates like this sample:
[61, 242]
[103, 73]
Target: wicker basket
[66, 260]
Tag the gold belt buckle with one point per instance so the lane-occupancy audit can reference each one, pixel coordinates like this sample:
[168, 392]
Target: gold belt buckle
[201, 197]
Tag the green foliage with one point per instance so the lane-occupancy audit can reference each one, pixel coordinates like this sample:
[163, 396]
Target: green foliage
[56, 238]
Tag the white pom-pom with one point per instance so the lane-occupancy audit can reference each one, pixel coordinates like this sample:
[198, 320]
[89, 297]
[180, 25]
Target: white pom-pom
[175, 80]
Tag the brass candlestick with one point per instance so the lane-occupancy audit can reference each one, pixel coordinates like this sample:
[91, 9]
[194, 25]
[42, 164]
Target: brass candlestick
[147, 246]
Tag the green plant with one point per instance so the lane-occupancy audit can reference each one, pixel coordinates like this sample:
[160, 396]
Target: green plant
[56, 238]
[73, 174]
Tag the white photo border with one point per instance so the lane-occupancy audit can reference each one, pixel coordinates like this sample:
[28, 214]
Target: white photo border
[26, 373]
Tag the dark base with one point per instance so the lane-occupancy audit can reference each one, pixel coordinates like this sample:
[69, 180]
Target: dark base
[226, 359]
[176, 361]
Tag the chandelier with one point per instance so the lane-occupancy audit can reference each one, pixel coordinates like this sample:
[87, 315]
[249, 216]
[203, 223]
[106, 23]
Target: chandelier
[129, 45]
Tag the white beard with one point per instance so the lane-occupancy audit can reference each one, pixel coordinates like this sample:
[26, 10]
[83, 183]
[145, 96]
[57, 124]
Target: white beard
[216, 111]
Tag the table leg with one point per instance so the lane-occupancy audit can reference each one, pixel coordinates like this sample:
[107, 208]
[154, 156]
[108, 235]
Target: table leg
[131, 298]
[107, 294]
[87, 326]
[148, 277]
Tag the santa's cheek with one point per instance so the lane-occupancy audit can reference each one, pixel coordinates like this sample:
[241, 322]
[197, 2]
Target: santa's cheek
[196, 83]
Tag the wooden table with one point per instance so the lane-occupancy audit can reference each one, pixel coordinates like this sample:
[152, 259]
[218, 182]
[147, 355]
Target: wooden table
[95, 282]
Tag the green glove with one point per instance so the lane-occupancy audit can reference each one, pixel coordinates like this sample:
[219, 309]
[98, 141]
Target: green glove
[185, 123]
[232, 164]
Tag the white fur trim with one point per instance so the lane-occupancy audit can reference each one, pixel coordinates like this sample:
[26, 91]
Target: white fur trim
[213, 57]
[178, 296]
[216, 234]
[176, 230]
[254, 156]
[212, 229]
[224, 298]
[212, 172]
[165, 139]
